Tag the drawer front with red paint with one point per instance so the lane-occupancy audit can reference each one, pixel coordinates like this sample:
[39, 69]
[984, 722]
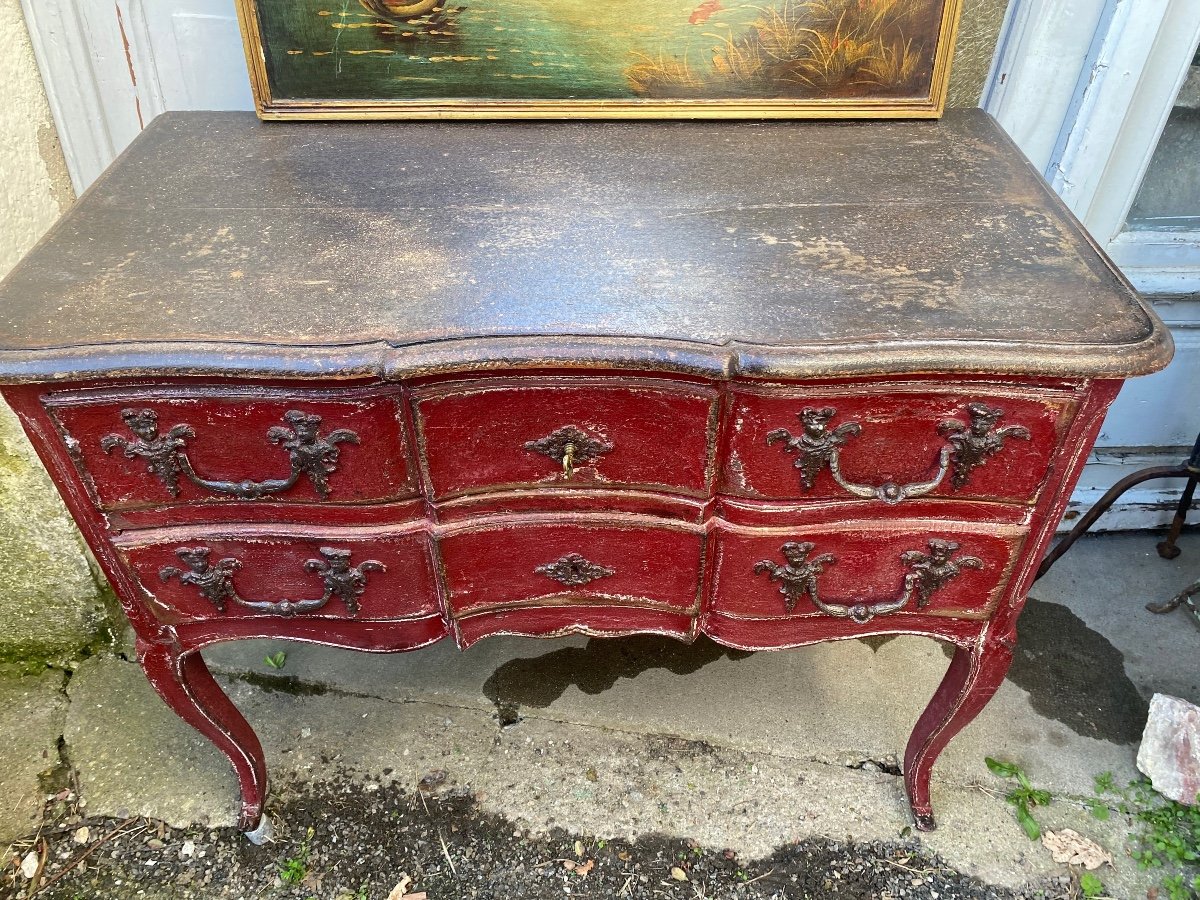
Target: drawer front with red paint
[233, 573]
[518, 563]
[890, 444]
[568, 433]
[152, 447]
[864, 571]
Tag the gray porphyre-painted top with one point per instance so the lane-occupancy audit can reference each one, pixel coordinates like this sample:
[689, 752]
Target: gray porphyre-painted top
[218, 244]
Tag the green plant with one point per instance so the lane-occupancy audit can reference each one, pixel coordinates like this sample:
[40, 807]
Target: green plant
[1023, 797]
[294, 869]
[1168, 833]
[1097, 808]
[1091, 885]
[276, 660]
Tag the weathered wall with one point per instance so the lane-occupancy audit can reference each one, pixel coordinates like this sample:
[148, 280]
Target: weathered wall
[50, 602]
[977, 34]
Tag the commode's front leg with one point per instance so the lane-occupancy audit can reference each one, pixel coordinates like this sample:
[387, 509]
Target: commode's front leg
[182, 679]
[974, 675]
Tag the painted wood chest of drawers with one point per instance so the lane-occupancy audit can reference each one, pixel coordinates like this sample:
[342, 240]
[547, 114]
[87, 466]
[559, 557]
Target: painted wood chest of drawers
[377, 386]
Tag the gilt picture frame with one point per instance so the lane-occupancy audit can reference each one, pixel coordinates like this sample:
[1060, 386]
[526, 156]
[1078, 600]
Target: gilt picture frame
[599, 59]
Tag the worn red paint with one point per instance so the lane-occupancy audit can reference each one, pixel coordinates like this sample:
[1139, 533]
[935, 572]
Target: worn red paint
[681, 544]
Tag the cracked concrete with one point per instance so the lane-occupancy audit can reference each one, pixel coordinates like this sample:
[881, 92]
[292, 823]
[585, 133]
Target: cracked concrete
[33, 713]
[630, 737]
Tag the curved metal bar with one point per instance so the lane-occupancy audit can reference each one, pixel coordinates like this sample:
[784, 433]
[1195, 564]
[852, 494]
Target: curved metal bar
[865, 612]
[890, 492]
[243, 490]
[215, 582]
[930, 572]
[1101, 507]
[1183, 598]
[166, 455]
[968, 446]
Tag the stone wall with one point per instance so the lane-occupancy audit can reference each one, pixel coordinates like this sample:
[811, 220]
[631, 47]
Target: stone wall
[51, 602]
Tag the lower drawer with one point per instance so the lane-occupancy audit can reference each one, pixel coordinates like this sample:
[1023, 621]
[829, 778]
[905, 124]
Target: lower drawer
[863, 570]
[515, 562]
[195, 574]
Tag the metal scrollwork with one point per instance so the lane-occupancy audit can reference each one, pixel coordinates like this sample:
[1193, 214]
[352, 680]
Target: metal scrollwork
[967, 446]
[166, 455]
[574, 570]
[928, 572]
[799, 576]
[569, 446]
[816, 446]
[161, 452]
[215, 581]
[978, 442]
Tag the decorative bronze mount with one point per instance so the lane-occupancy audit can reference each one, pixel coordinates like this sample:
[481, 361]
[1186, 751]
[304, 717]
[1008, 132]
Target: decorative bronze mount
[967, 447]
[166, 456]
[931, 571]
[215, 582]
[574, 570]
[569, 446]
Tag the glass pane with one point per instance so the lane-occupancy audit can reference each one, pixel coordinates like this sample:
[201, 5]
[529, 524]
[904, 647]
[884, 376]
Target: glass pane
[1169, 198]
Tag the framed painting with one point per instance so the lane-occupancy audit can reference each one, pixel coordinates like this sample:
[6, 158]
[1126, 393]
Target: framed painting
[321, 59]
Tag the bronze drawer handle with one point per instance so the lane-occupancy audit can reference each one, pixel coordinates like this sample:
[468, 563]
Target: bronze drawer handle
[215, 582]
[569, 446]
[967, 447]
[574, 570]
[930, 571]
[166, 455]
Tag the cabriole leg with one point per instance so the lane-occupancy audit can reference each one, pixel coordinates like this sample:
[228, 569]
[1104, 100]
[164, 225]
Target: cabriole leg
[183, 681]
[974, 675]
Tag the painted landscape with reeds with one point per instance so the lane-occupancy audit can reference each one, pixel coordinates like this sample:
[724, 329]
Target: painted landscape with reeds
[803, 49]
[600, 49]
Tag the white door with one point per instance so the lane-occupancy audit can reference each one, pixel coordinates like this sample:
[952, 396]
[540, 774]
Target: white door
[1104, 97]
[110, 67]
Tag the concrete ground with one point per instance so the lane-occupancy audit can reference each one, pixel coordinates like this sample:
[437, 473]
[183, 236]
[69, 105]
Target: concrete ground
[629, 737]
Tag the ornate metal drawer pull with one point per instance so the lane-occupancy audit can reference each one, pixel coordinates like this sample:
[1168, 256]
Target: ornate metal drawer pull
[166, 456]
[569, 446]
[967, 447]
[930, 571]
[215, 582]
[574, 570]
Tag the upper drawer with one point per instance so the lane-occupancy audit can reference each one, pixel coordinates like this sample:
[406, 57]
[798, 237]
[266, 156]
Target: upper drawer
[154, 446]
[890, 443]
[568, 433]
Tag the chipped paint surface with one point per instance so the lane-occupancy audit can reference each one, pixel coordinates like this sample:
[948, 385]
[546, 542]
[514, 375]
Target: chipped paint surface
[246, 246]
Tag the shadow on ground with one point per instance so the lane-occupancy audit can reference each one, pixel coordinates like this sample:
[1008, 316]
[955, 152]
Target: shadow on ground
[350, 840]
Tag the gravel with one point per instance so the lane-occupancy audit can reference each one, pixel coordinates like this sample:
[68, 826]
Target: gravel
[349, 839]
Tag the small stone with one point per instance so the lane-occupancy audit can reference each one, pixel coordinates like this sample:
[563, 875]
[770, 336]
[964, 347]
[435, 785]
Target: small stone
[29, 865]
[678, 874]
[155, 844]
[188, 848]
[1170, 751]
[82, 835]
